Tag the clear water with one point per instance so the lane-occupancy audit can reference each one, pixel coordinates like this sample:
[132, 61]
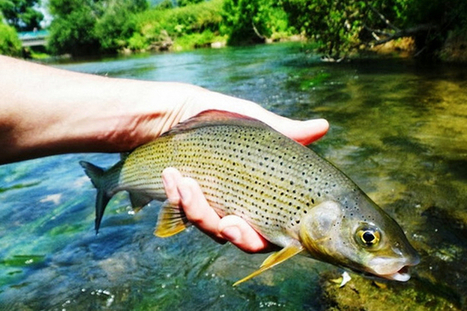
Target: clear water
[398, 128]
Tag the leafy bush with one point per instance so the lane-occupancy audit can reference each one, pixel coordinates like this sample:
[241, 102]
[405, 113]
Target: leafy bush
[196, 22]
[344, 25]
[91, 27]
[197, 40]
[9, 41]
[116, 25]
[74, 34]
[253, 21]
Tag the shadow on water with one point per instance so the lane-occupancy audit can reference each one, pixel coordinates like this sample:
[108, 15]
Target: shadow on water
[398, 129]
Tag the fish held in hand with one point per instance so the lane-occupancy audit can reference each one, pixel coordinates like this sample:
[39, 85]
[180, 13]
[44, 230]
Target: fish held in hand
[290, 195]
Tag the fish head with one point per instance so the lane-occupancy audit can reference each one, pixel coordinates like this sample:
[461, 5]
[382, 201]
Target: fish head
[374, 247]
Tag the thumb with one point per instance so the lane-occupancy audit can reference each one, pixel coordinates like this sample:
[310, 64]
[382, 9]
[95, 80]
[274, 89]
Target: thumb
[304, 132]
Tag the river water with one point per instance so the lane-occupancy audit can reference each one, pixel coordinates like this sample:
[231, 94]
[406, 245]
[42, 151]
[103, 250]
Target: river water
[398, 129]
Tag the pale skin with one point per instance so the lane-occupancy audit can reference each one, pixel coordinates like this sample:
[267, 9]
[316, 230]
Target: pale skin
[46, 111]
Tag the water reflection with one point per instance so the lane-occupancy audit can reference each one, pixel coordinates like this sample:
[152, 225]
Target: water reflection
[398, 129]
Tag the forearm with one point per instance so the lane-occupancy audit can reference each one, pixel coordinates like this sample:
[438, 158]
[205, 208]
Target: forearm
[46, 111]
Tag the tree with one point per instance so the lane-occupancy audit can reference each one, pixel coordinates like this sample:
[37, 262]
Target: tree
[92, 26]
[116, 25]
[252, 21]
[336, 24]
[9, 41]
[22, 14]
[72, 29]
[345, 25]
[74, 34]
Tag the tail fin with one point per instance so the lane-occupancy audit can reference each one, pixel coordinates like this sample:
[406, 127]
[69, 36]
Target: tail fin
[96, 174]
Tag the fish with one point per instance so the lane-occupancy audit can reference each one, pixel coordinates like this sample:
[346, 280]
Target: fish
[289, 194]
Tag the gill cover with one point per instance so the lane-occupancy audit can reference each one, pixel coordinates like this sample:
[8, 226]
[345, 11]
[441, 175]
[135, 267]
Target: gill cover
[318, 229]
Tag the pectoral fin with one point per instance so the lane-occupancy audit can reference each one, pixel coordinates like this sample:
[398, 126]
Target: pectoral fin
[171, 221]
[273, 260]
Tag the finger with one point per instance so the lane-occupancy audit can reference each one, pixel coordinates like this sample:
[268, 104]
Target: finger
[242, 235]
[197, 208]
[170, 178]
[304, 132]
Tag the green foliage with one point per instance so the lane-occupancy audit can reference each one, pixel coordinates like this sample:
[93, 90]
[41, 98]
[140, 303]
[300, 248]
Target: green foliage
[74, 33]
[165, 4]
[190, 26]
[253, 21]
[9, 41]
[90, 27]
[116, 25]
[21, 14]
[338, 26]
[344, 25]
[446, 17]
[182, 3]
[196, 40]
[335, 24]
[137, 42]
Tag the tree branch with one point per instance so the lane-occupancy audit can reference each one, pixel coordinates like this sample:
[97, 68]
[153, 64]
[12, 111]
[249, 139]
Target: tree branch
[409, 32]
[383, 18]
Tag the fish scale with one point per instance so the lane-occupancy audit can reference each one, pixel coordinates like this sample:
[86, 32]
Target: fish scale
[249, 172]
[286, 192]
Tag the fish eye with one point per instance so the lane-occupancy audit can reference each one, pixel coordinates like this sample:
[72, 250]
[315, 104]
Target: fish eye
[368, 237]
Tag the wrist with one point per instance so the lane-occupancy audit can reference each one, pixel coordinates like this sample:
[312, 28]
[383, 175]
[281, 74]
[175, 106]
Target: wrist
[145, 110]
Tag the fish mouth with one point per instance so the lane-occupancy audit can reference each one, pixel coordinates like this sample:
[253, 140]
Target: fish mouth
[401, 275]
[390, 269]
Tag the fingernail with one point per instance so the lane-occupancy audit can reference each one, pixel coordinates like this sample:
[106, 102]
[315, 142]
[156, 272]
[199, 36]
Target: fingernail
[231, 233]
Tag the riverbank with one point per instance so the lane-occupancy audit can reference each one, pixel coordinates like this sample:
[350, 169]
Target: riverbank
[119, 27]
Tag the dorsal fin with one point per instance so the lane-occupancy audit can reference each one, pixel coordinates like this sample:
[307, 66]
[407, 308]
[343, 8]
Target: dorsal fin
[214, 118]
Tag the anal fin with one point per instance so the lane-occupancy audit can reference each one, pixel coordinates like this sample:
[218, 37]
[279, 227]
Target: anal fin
[171, 220]
[273, 260]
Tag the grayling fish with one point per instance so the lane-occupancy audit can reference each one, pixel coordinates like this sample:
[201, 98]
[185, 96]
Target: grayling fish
[290, 195]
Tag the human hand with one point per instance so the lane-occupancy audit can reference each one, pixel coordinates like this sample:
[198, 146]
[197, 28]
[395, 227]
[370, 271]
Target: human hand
[86, 113]
[188, 194]
[193, 100]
